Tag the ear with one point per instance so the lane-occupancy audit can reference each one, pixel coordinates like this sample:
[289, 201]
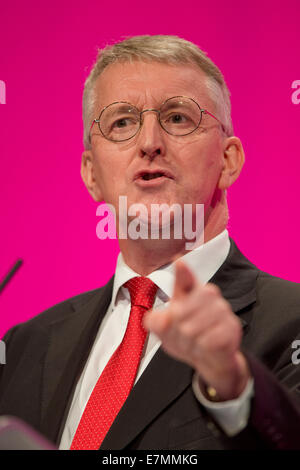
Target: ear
[88, 175]
[233, 161]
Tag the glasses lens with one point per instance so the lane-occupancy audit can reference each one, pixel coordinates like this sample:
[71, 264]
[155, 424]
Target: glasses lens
[180, 116]
[119, 121]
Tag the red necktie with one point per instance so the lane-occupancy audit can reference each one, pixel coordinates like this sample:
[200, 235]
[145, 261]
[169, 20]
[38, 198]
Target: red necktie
[118, 376]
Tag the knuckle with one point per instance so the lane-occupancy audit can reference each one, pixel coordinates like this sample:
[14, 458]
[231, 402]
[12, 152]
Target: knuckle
[177, 309]
[212, 289]
[188, 330]
[221, 304]
[235, 325]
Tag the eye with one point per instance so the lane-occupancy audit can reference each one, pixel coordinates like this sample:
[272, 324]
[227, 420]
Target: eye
[121, 123]
[176, 118]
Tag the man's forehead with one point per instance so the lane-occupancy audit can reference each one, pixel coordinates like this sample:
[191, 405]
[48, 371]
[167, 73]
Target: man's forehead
[150, 83]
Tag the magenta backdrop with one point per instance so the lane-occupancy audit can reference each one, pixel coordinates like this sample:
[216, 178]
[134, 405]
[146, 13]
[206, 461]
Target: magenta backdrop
[47, 216]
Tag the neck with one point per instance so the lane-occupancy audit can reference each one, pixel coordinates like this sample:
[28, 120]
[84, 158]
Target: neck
[146, 255]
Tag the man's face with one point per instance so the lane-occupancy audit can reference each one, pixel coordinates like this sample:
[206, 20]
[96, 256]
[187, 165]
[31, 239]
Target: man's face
[193, 163]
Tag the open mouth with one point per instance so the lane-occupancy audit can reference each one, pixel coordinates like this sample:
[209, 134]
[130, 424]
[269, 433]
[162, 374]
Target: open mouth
[151, 176]
[155, 174]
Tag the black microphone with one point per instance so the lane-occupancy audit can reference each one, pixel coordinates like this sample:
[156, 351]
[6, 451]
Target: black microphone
[11, 273]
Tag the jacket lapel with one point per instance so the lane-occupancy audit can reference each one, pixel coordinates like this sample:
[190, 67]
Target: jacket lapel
[165, 378]
[161, 383]
[237, 279]
[70, 340]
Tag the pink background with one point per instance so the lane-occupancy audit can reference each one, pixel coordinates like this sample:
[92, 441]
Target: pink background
[47, 216]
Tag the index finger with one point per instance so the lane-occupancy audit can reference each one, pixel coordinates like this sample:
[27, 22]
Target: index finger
[185, 280]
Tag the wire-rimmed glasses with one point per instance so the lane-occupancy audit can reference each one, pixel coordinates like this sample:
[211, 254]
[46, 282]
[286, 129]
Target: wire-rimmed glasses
[179, 116]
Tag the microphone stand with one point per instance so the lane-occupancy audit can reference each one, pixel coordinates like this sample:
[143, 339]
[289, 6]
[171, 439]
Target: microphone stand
[11, 273]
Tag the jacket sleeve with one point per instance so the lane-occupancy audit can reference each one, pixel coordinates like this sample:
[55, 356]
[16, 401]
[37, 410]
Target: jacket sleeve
[275, 411]
[274, 421]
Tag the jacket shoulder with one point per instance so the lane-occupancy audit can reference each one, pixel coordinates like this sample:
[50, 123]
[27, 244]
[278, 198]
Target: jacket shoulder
[278, 290]
[55, 313]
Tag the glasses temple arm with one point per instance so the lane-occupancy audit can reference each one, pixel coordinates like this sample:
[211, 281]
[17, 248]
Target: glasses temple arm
[212, 115]
[95, 120]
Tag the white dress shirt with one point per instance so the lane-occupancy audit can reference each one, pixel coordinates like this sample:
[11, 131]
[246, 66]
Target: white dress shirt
[204, 261]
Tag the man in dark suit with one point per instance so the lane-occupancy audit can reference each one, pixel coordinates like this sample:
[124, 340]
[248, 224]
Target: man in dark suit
[215, 369]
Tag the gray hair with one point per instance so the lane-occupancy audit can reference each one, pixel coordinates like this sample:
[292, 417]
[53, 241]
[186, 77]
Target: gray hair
[158, 48]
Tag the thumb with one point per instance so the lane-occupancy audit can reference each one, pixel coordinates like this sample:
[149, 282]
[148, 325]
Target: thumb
[185, 280]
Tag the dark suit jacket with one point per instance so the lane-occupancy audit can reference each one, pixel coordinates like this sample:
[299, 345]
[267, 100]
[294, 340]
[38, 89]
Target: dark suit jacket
[46, 355]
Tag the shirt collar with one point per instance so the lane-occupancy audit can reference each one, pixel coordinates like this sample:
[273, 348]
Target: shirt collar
[204, 261]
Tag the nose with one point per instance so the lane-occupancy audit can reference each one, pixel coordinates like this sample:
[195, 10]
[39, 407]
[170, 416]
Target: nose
[150, 139]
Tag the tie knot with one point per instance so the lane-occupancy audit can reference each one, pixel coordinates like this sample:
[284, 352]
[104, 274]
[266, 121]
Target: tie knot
[142, 291]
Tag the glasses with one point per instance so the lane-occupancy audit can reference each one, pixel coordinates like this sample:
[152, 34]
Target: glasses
[179, 115]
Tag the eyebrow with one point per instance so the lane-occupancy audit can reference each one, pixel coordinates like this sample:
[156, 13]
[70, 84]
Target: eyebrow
[174, 104]
[124, 107]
